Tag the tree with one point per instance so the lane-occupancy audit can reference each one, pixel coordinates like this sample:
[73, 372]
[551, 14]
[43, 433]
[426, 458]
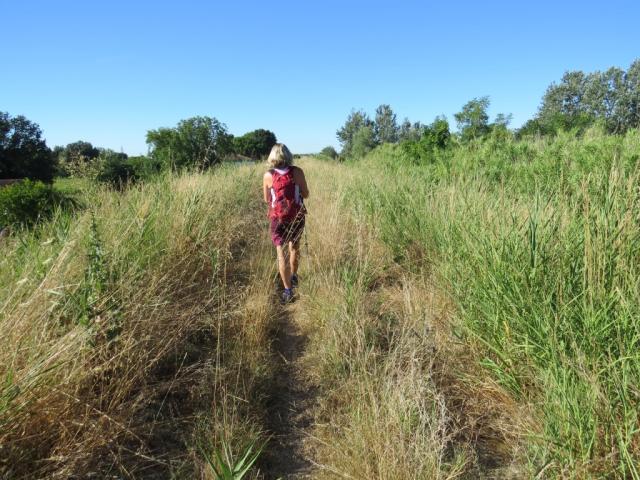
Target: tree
[411, 131]
[434, 138]
[355, 121]
[364, 141]
[500, 126]
[438, 133]
[473, 120]
[582, 98]
[255, 144]
[23, 151]
[578, 100]
[603, 97]
[630, 101]
[502, 120]
[405, 132]
[385, 125]
[78, 158]
[195, 142]
[329, 152]
[80, 151]
[565, 97]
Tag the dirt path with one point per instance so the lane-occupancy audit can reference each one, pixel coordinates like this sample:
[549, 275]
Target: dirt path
[290, 405]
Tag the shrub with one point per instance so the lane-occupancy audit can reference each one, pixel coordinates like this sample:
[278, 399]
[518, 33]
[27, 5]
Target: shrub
[329, 152]
[145, 167]
[23, 203]
[116, 171]
[435, 137]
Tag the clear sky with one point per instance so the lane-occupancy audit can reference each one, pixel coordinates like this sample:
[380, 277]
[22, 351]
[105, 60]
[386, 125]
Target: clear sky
[108, 71]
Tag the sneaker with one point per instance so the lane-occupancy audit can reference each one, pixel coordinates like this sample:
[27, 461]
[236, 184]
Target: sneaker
[294, 280]
[287, 296]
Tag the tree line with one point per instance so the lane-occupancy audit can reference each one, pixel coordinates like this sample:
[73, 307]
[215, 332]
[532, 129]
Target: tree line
[360, 134]
[198, 142]
[610, 99]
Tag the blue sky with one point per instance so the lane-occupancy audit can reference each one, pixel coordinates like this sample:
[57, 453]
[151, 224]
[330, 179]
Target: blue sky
[109, 71]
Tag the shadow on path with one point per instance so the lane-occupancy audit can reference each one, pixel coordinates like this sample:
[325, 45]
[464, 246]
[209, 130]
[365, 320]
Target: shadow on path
[290, 404]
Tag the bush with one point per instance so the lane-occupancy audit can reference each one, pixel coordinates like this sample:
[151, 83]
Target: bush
[24, 203]
[145, 167]
[116, 171]
[552, 124]
[329, 152]
[435, 137]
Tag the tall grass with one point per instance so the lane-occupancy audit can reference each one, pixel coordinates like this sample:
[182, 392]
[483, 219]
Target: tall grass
[538, 243]
[124, 346]
[371, 353]
[476, 315]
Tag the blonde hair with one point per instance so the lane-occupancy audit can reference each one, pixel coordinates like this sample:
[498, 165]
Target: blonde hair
[280, 156]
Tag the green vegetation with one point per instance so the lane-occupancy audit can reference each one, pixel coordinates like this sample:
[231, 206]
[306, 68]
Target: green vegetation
[82, 160]
[197, 142]
[364, 140]
[477, 302]
[473, 120]
[23, 151]
[256, 144]
[537, 242]
[609, 99]
[329, 152]
[385, 125]
[432, 140]
[350, 131]
[117, 170]
[372, 348]
[77, 159]
[579, 100]
[24, 203]
[225, 467]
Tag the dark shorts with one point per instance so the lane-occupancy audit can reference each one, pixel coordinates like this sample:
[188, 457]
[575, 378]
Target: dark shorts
[282, 233]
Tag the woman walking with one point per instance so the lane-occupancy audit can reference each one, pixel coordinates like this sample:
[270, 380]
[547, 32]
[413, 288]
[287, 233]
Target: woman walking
[284, 188]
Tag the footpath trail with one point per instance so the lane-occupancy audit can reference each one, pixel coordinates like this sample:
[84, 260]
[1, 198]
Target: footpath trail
[362, 381]
[292, 408]
[291, 403]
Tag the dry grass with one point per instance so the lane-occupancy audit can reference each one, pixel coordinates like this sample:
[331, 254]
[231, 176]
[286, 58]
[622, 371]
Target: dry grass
[131, 339]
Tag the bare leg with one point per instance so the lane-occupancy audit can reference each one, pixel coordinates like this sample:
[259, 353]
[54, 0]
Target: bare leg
[294, 256]
[284, 267]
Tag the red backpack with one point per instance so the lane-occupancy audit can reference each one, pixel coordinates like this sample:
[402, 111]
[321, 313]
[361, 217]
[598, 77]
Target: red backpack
[286, 203]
